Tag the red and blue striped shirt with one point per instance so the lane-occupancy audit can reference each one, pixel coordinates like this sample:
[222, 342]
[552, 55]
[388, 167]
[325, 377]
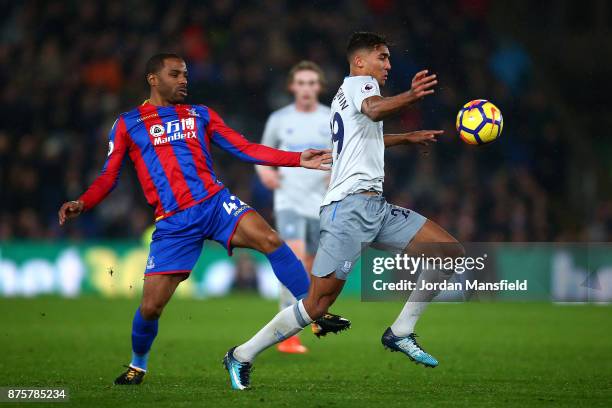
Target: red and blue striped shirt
[170, 149]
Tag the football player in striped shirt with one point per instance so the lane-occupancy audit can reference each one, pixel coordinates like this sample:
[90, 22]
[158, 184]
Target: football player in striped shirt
[169, 143]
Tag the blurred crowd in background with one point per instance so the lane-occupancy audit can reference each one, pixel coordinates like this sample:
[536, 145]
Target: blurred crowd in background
[69, 68]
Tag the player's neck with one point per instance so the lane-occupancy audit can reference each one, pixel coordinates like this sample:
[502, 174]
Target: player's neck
[306, 107]
[157, 100]
[356, 71]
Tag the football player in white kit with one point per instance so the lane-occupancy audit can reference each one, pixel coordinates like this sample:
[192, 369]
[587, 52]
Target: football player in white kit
[298, 194]
[355, 212]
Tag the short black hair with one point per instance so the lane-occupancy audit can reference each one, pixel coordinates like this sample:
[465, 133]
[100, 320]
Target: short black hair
[364, 39]
[156, 62]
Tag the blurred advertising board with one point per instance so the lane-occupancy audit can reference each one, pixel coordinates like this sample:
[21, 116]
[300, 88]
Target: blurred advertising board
[552, 271]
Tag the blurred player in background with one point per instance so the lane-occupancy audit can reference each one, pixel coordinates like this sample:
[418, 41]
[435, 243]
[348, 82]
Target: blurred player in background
[355, 212]
[298, 193]
[169, 143]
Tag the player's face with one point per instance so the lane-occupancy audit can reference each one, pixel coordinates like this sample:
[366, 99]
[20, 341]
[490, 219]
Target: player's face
[305, 86]
[377, 63]
[172, 80]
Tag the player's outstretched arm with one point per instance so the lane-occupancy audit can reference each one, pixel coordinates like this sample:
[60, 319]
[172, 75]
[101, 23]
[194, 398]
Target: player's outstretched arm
[378, 108]
[423, 137]
[105, 182]
[233, 142]
[270, 177]
[316, 159]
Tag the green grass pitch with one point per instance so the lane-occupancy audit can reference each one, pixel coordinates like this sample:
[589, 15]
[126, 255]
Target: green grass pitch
[491, 354]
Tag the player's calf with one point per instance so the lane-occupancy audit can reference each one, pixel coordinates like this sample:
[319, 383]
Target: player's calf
[323, 293]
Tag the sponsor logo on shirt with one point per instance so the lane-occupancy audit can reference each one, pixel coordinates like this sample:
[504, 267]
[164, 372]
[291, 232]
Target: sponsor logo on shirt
[174, 130]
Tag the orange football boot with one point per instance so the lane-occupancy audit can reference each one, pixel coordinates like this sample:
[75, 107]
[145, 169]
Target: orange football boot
[292, 345]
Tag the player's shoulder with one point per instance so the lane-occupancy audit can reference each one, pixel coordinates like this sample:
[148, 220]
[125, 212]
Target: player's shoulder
[127, 118]
[364, 83]
[138, 113]
[205, 112]
[133, 113]
[199, 109]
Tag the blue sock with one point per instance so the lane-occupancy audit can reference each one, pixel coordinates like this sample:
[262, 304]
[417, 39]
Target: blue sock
[143, 334]
[289, 271]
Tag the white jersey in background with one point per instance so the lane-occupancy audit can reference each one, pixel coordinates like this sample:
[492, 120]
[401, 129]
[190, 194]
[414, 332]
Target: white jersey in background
[301, 190]
[358, 145]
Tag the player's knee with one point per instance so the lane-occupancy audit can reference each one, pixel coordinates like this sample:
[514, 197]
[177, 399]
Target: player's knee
[455, 250]
[270, 242]
[151, 310]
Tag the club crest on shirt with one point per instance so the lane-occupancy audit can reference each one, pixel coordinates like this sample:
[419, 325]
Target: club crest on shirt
[193, 112]
[156, 130]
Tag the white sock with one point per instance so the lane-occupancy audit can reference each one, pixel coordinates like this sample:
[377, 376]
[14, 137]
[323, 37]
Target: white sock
[285, 298]
[417, 303]
[405, 322]
[285, 324]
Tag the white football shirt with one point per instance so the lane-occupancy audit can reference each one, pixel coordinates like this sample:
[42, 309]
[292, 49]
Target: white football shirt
[301, 190]
[358, 144]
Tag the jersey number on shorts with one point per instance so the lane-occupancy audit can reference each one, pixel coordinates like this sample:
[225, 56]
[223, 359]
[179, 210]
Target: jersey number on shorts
[231, 205]
[337, 129]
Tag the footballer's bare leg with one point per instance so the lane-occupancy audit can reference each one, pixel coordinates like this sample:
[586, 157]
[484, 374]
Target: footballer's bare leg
[432, 232]
[322, 294]
[157, 291]
[431, 240]
[254, 232]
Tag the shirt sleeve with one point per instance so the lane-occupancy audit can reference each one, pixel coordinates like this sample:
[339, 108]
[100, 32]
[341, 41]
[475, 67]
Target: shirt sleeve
[362, 88]
[107, 180]
[233, 142]
[270, 135]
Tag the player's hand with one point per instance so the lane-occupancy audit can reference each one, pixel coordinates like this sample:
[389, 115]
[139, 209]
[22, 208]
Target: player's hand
[316, 159]
[270, 178]
[423, 137]
[422, 85]
[69, 210]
